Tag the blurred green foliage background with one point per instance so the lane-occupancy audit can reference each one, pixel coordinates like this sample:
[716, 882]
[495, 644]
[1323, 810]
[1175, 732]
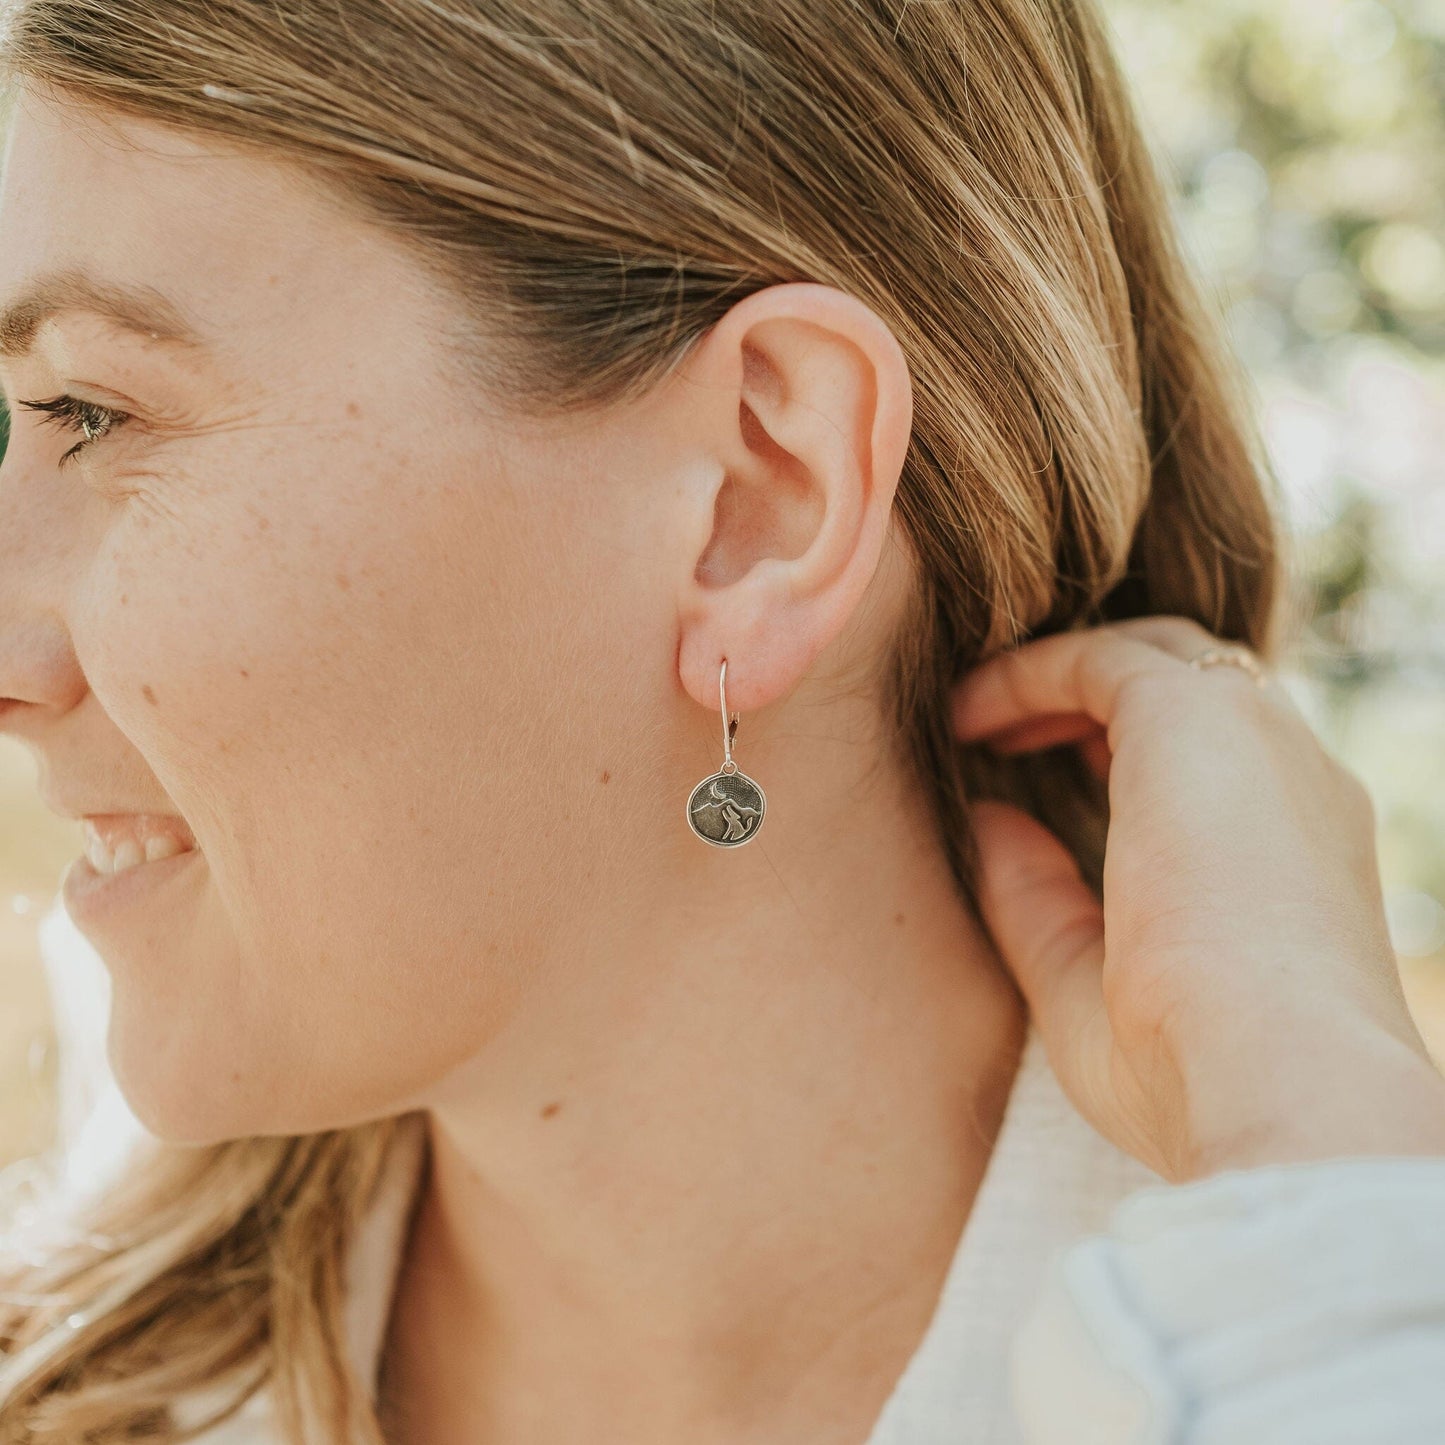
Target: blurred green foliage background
[1306, 139]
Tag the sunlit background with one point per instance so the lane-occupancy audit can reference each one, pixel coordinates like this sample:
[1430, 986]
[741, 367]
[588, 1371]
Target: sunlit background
[1307, 142]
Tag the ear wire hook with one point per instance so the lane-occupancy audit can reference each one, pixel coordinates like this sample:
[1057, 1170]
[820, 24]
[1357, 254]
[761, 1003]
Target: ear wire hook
[730, 729]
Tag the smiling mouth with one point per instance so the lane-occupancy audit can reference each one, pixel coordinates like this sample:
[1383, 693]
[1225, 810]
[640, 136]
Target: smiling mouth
[116, 842]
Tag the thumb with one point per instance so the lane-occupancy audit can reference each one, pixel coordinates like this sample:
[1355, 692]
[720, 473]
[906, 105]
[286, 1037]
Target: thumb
[1049, 929]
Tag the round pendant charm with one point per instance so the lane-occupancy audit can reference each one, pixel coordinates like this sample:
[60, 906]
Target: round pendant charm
[726, 809]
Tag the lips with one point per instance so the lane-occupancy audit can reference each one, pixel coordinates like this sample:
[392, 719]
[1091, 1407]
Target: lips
[108, 904]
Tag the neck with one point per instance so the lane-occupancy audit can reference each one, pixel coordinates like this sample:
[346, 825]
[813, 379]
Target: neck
[729, 1184]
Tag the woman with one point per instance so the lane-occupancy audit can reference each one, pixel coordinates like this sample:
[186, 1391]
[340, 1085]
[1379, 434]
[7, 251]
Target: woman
[429, 419]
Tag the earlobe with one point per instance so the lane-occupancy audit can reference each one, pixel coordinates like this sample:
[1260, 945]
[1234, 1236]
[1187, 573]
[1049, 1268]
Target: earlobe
[814, 412]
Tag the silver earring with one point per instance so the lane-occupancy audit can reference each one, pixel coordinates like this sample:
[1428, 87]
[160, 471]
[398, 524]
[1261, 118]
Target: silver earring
[726, 808]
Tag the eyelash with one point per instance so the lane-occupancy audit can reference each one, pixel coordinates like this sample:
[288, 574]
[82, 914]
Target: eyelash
[73, 414]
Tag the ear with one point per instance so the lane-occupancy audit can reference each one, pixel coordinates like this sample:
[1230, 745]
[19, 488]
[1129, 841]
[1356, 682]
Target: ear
[801, 399]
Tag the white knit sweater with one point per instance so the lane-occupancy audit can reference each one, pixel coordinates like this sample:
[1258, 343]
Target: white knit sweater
[1087, 1303]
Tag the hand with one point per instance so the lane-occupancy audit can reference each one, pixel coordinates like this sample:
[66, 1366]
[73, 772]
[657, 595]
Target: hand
[1236, 999]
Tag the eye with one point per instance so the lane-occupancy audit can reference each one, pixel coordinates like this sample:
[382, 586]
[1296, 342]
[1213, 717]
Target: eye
[89, 418]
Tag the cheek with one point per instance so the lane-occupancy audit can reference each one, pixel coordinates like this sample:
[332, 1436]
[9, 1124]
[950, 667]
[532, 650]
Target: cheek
[258, 625]
[196, 631]
[352, 690]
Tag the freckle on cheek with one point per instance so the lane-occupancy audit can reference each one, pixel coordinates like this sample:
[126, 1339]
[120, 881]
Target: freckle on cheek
[343, 581]
[606, 777]
[550, 1110]
[148, 694]
[245, 673]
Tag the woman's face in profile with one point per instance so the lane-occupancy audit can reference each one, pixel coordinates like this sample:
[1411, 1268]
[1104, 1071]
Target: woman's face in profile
[316, 597]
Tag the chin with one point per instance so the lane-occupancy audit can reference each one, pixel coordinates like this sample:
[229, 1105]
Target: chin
[188, 1084]
[185, 1085]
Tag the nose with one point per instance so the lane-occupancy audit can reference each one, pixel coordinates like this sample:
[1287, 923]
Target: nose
[40, 678]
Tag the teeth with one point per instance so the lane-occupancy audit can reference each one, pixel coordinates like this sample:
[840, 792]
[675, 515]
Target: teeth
[159, 846]
[129, 852]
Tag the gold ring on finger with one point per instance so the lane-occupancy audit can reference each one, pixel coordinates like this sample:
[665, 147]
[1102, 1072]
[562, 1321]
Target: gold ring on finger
[1234, 657]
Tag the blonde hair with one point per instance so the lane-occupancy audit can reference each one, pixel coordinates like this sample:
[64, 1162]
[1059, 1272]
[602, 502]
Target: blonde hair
[608, 177]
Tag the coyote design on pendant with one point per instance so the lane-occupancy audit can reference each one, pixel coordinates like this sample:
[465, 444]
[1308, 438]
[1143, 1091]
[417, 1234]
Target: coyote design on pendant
[726, 808]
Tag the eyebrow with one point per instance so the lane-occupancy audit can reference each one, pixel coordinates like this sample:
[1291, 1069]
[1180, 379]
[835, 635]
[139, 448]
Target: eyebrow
[137, 309]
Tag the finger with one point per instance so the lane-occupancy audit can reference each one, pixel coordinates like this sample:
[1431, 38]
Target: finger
[1186, 639]
[1049, 930]
[1051, 731]
[1066, 672]
[1044, 732]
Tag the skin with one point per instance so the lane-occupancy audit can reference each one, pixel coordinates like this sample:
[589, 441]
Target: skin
[284, 604]
[431, 684]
